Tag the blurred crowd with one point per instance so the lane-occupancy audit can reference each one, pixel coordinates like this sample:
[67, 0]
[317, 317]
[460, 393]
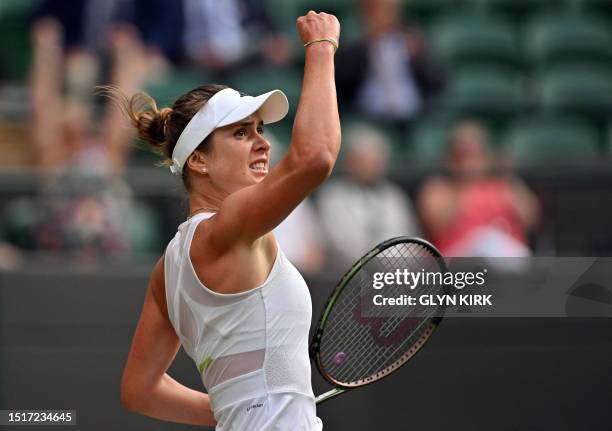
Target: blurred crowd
[406, 113]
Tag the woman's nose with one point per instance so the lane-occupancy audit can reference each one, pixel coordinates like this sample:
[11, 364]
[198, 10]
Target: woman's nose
[261, 143]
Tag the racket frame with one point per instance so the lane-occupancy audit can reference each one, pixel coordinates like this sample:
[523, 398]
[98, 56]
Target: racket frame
[315, 344]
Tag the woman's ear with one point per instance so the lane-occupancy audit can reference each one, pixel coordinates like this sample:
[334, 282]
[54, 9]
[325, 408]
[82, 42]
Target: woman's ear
[197, 162]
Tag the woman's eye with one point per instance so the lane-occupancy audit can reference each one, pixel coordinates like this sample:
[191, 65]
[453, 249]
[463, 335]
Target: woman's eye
[260, 130]
[240, 132]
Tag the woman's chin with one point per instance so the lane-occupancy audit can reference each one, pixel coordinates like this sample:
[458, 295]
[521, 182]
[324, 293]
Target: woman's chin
[258, 175]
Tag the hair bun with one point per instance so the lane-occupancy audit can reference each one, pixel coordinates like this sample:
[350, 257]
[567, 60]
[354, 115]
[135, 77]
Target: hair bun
[150, 122]
[155, 126]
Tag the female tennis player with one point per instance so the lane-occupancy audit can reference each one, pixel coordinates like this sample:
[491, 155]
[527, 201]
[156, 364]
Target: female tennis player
[224, 289]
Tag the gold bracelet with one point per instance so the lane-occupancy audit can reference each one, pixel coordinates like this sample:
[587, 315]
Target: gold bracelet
[331, 40]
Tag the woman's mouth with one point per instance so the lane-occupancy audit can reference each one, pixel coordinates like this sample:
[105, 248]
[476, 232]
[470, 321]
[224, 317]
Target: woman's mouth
[259, 167]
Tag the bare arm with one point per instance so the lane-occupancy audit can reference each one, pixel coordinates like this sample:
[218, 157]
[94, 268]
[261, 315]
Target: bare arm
[146, 388]
[45, 83]
[254, 211]
[129, 71]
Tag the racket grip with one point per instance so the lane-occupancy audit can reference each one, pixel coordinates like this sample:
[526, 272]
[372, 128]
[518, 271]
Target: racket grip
[329, 394]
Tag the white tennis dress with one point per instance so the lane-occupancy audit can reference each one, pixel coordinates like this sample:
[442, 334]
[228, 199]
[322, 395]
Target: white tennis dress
[251, 348]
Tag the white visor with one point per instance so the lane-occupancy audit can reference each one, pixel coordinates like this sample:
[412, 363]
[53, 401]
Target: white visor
[224, 108]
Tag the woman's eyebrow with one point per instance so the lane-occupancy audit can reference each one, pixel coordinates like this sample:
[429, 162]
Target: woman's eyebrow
[248, 123]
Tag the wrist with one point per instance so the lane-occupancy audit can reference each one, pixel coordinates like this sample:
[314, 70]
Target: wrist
[326, 43]
[320, 50]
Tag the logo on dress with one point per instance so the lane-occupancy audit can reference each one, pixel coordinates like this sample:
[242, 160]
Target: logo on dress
[254, 406]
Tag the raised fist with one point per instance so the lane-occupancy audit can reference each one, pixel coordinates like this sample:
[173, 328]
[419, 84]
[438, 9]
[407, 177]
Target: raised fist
[317, 26]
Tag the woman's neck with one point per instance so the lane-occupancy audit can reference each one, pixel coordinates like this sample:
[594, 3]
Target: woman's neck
[203, 202]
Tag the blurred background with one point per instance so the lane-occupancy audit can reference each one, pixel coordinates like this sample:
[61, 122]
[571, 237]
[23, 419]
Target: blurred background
[484, 126]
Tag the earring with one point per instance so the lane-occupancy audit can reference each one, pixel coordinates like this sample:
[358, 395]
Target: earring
[204, 171]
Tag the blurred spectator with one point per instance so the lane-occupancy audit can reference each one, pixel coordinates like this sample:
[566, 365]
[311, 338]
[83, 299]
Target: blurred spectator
[89, 26]
[86, 23]
[212, 35]
[65, 129]
[223, 34]
[84, 217]
[389, 73]
[475, 211]
[83, 207]
[363, 208]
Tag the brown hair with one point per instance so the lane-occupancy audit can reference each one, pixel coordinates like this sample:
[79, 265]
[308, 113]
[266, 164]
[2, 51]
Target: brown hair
[161, 128]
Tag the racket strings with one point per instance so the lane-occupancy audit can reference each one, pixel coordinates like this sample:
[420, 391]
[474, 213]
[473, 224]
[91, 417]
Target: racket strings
[398, 317]
[373, 360]
[354, 347]
[417, 331]
[361, 279]
[359, 350]
[412, 340]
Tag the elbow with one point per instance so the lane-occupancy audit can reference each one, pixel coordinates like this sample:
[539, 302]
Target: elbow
[128, 399]
[321, 166]
[130, 396]
[317, 156]
[318, 165]
[315, 170]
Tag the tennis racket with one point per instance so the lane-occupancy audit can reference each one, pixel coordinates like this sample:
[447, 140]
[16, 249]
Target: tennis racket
[353, 345]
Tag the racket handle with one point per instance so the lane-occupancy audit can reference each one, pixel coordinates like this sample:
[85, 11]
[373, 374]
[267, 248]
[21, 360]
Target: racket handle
[329, 394]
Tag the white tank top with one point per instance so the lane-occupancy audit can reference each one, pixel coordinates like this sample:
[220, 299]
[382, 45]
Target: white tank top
[251, 348]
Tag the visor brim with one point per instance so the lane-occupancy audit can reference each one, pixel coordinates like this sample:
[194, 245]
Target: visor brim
[272, 106]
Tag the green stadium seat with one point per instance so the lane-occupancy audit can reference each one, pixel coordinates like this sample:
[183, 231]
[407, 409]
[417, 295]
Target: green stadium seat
[265, 78]
[175, 84]
[394, 137]
[464, 39]
[483, 90]
[513, 9]
[143, 229]
[279, 134]
[428, 140]
[284, 13]
[423, 12]
[598, 7]
[580, 87]
[15, 48]
[337, 7]
[552, 141]
[430, 137]
[554, 38]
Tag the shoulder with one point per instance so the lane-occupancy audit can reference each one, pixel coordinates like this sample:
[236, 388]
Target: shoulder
[205, 242]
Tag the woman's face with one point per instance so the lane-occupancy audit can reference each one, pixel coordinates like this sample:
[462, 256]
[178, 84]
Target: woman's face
[239, 155]
[381, 16]
[469, 155]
